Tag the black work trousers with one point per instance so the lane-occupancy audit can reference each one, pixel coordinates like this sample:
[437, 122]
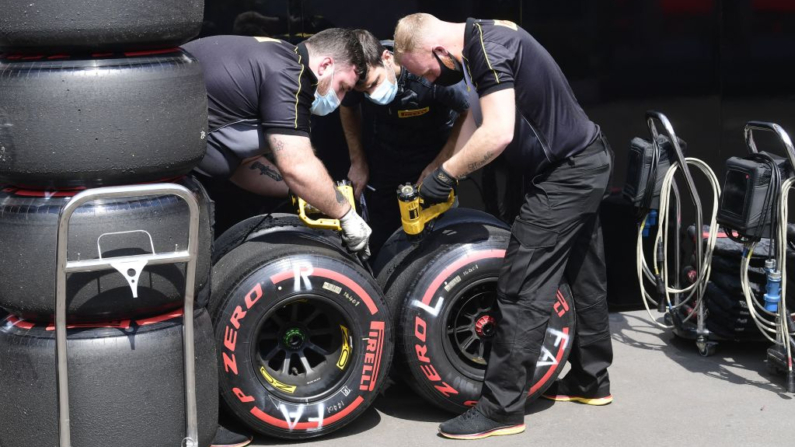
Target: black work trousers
[556, 235]
[384, 214]
[234, 204]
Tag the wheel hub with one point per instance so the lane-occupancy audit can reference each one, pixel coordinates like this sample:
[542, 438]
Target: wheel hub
[294, 338]
[485, 326]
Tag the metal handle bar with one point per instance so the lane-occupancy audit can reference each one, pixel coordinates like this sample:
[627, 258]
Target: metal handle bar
[651, 116]
[769, 127]
[63, 267]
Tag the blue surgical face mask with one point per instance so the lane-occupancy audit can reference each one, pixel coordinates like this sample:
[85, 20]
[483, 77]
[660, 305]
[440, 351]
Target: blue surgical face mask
[325, 104]
[385, 93]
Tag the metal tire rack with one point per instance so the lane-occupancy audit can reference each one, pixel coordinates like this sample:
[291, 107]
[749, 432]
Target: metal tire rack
[130, 267]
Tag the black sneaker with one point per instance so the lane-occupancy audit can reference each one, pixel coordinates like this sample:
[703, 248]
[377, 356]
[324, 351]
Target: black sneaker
[559, 392]
[226, 437]
[474, 425]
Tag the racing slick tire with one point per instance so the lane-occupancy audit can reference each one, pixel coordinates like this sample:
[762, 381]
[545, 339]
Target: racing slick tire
[83, 25]
[304, 337]
[448, 289]
[259, 226]
[28, 234]
[126, 382]
[101, 121]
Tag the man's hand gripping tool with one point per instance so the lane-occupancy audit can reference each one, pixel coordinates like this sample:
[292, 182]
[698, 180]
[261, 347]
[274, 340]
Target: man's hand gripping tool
[414, 215]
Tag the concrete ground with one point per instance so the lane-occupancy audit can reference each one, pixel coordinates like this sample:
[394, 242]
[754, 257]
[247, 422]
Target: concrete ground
[665, 395]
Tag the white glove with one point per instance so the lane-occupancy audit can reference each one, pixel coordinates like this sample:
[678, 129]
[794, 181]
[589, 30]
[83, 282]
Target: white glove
[355, 232]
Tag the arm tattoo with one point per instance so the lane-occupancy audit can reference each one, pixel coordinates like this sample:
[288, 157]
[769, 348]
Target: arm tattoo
[340, 197]
[479, 164]
[276, 145]
[267, 170]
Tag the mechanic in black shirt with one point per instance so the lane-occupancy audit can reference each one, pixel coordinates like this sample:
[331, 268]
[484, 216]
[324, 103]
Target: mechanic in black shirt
[412, 128]
[530, 115]
[261, 92]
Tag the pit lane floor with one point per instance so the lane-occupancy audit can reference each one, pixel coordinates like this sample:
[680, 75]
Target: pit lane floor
[665, 393]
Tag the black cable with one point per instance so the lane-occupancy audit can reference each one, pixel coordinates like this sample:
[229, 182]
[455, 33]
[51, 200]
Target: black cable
[266, 216]
[651, 182]
[771, 198]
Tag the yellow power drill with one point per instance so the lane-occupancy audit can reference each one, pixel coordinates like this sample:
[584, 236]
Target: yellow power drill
[320, 221]
[413, 214]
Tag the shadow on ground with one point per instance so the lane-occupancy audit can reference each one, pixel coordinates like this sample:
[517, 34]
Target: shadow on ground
[638, 332]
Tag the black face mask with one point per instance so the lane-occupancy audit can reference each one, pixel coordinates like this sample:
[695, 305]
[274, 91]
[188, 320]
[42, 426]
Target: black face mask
[449, 76]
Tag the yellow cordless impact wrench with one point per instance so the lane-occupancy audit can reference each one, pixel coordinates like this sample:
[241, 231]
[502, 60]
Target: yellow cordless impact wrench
[414, 215]
[319, 221]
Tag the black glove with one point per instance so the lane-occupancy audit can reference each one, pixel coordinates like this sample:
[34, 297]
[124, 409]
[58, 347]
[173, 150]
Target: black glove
[437, 186]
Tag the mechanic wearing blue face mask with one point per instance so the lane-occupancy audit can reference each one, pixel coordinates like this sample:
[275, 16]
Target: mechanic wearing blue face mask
[261, 92]
[410, 128]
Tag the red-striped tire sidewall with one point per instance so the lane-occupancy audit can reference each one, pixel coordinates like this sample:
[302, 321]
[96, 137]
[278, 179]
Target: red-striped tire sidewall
[242, 385]
[423, 325]
[28, 230]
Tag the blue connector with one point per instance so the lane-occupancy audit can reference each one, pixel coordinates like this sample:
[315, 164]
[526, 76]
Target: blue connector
[772, 287]
[650, 222]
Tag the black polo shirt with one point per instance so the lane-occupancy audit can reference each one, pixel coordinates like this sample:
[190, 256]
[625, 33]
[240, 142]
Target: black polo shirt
[404, 136]
[550, 124]
[255, 86]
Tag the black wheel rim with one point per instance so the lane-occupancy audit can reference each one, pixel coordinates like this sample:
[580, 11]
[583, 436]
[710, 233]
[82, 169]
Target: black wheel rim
[469, 325]
[304, 348]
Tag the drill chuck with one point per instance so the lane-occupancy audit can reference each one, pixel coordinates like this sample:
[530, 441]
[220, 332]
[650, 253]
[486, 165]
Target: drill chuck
[407, 193]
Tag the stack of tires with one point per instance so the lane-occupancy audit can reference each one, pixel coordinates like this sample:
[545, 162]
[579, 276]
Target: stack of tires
[96, 96]
[728, 316]
[441, 291]
[304, 336]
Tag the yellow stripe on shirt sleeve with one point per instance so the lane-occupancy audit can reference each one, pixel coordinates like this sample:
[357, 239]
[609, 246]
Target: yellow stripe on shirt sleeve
[299, 88]
[496, 77]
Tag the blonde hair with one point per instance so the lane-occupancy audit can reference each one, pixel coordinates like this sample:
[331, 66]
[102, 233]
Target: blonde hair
[410, 32]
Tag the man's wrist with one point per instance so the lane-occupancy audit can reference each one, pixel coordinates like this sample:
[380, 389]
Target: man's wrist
[347, 209]
[447, 170]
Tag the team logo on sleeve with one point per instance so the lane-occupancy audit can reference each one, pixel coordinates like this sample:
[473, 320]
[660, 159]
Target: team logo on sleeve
[507, 24]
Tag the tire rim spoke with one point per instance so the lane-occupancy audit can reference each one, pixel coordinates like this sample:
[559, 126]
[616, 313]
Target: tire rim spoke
[468, 342]
[307, 368]
[294, 312]
[276, 319]
[312, 317]
[286, 365]
[316, 348]
[459, 329]
[271, 354]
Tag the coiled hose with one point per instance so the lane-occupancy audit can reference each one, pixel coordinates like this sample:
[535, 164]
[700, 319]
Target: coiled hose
[695, 291]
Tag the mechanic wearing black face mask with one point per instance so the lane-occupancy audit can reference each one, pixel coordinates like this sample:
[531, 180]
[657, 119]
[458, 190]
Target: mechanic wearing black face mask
[411, 128]
[530, 115]
[261, 92]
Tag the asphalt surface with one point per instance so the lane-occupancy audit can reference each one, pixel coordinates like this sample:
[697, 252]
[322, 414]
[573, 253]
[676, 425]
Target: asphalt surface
[665, 394]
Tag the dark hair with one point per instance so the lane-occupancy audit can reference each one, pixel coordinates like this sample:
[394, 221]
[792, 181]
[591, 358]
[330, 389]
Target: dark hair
[342, 45]
[371, 47]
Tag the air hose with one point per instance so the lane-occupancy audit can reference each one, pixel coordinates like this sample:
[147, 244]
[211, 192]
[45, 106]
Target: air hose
[775, 326]
[660, 277]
